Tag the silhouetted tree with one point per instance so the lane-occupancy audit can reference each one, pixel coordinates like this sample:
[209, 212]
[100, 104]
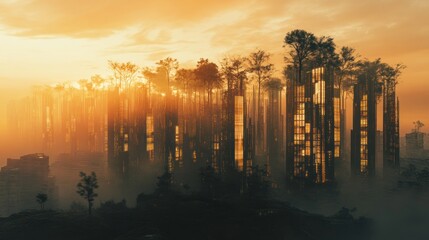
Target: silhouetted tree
[417, 125]
[390, 75]
[169, 66]
[372, 72]
[207, 74]
[97, 81]
[324, 54]
[260, 66]
[234, 71]
[124, 74]
[346, 69]
[41, 198]
[185, 79]
[86, 188]
[302, 45]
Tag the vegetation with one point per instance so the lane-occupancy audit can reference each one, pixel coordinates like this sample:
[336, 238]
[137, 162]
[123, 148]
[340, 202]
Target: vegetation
[41, 199]
[414, 177]
[86, 189]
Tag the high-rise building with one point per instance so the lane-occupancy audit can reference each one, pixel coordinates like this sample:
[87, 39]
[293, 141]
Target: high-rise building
[274, 133]
[363, 134]
[130, 129]
[310, 143]
[390, 127]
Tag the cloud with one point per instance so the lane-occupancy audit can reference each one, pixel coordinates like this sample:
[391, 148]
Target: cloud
[99, 18]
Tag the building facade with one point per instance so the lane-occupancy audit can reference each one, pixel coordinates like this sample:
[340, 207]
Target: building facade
[310, 142]
[391, 143]
[22, 179]
[363, 134]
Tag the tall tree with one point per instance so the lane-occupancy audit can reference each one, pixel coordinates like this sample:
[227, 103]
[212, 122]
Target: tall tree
[185, 79]
[208, 75]
[324, 54]
[390, 74]
[344, 80]
[169, 66]
[234, 71]
[124, 74]
[259, 65]
[346, 68]
[302, 45]
[97, 81]
[86, 188]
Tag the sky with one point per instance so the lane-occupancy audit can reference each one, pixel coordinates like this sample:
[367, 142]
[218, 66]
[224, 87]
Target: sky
[51, 41]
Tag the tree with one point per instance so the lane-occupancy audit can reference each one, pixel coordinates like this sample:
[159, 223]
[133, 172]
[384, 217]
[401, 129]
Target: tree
[371, 70]
[346, 69]
[185, 79]
[260, 66]
[86, 188]
[169, 66]
[41, 198]
[208, 75]
[389, 74]
[302, 44]
[417, 125]
[97, 81]
[234, 71]
[124, 74]
[324, 54]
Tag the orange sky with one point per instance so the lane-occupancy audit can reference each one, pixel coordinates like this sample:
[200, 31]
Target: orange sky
[47, 41]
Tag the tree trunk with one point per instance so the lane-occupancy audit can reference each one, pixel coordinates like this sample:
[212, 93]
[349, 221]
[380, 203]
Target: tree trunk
[89, 208]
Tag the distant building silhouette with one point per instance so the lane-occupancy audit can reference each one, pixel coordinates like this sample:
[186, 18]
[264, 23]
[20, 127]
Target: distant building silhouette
[22, 179]
[414, 144]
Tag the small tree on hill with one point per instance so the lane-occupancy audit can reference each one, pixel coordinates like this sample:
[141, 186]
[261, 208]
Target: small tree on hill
[86, 188]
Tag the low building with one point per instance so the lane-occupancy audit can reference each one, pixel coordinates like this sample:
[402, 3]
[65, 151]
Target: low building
[22, 179]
